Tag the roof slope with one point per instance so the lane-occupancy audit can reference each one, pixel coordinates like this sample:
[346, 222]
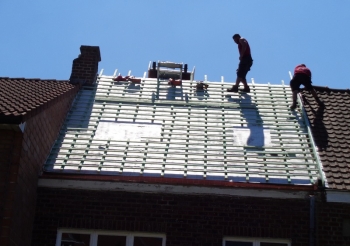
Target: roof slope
[155, 130]
[22, 98]
[331, 131]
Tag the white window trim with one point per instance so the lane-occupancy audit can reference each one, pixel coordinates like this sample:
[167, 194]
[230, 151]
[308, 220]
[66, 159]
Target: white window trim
[256, 240]
[94, 235]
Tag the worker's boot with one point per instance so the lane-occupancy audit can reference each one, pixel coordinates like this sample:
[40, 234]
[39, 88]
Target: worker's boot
[246, 89]
[233, 89]
[294, 105]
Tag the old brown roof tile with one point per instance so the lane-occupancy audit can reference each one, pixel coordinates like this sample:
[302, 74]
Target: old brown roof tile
[330, 126]
[22, 98]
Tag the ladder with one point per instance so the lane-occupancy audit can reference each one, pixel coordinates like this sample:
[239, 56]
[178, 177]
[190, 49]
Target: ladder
[167, 70]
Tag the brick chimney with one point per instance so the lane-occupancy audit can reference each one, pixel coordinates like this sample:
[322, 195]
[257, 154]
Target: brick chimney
[84, 68]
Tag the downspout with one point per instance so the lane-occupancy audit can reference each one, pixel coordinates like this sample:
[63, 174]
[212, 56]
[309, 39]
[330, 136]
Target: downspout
[321, 181]
[312, 220]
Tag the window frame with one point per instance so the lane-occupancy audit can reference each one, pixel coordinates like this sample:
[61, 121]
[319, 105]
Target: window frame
[95, 233]
[256, 240]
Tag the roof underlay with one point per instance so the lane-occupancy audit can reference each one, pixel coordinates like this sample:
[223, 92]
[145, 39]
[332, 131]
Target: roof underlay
[125, 129]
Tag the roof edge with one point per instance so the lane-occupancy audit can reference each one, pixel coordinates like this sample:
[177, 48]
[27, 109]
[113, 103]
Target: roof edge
[326, 89]
[170, 189]
[177, 181]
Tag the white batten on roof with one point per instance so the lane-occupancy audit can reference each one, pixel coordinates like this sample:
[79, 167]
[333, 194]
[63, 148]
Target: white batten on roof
[153, 129]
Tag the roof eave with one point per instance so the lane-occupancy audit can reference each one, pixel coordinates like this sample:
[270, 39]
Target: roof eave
[177, 181]
[11, 119]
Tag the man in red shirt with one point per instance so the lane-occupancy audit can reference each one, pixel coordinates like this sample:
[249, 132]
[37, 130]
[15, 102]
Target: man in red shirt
[245, 62]
[302, 76]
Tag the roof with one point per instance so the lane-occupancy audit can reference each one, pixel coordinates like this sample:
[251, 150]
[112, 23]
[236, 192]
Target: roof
[155, 130]
[331, 130]
[22, 98]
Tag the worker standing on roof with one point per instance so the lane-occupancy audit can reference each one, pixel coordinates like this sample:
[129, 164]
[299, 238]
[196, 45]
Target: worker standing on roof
[245, 62]
[302, 76]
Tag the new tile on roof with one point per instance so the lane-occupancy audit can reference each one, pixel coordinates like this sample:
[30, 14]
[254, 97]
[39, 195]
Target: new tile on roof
[22, 98]
[331, 131]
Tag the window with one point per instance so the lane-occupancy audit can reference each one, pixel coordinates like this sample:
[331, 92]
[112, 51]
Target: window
[66, 237]
[255, 242]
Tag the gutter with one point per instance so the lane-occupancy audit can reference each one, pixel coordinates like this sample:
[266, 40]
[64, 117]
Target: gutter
[175, 181]
[15, 127]
[158, 185]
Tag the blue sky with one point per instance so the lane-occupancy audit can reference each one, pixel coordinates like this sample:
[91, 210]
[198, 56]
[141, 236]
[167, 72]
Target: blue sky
[40, 39]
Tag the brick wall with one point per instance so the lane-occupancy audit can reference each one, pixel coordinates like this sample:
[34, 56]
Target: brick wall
[185, 219]
[19, 189]
[10, 147]
[330, 218]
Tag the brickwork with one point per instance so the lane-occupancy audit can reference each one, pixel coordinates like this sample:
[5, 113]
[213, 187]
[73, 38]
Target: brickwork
[84, 68]
[19, 189]
[185, 219]
[330, 218]
[6, 147]
[10, 147]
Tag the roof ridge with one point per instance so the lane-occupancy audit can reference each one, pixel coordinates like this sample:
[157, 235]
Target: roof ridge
[35, 79]
[326, 88]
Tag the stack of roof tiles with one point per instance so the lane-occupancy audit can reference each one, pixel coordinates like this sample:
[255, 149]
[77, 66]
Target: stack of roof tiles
[22, 98]
[331, 130]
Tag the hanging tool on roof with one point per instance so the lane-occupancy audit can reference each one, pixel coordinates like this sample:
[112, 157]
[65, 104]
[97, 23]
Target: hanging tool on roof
[127, 78]
[200, 86]
[175, 82]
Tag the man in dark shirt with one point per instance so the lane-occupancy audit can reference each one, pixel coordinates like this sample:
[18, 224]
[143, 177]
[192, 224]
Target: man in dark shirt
[302, 76]
[245, 62]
